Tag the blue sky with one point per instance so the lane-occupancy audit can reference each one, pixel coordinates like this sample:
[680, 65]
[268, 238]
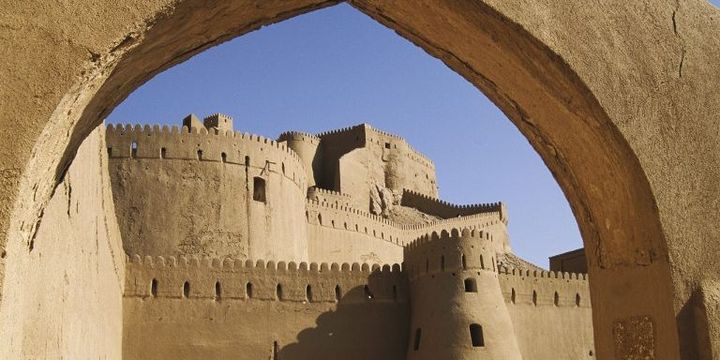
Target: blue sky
[337, 67]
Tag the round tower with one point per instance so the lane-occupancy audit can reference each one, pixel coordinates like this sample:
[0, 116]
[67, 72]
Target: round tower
[457, 308]
[306, 147]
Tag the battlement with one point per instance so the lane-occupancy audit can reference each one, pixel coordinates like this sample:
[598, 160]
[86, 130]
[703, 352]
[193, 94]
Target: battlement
[544, 288]
[299, 136]
[214, 145]
[235, 279]
[329, 196]
[444, 209]
[450, 250]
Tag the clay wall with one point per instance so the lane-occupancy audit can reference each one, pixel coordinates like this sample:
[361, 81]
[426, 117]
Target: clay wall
[328, 197]
[179, 192]
[350, 312]
[344, 234]
[549, 326]
[66, 293]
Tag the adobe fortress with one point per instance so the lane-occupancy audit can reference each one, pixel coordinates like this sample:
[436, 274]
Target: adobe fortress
[327, 246]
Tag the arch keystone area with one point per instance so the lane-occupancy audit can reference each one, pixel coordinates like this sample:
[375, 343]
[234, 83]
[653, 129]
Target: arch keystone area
[619, 99]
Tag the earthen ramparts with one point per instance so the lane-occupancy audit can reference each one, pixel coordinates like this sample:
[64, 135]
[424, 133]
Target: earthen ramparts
[235, 279]
[326, 196]
[444, 209]
[544, 288]
[173, 143]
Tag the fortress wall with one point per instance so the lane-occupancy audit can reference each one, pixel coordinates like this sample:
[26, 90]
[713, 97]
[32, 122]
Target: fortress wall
[63, 297]
[178, 192]
[333, 145]
[434, 206]
[352, 323]
[544, 330]
[401, 166]
[339, 234]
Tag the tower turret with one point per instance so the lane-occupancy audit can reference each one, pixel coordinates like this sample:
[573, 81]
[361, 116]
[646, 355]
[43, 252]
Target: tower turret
[457, 311]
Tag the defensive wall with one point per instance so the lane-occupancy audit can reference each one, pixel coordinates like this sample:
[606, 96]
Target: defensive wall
[344, 234]
[263, 310]
[219, 193]
[329, 197]
[353, 159]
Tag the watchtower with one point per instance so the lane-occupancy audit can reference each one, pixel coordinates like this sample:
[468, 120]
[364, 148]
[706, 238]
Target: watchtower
[457, 309]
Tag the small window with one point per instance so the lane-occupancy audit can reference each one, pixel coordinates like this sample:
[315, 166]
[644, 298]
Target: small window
[186, 290]
[476, 335]
[418, 335]
[534, 298]
[249, 290]
[470, 285]
[512, 296]
[309, 293]
[338, 293]
[109, 151]
[153, 287]
[368, 294]
[279, 292]
[133, 148]
[556, 299]
[199, 154]
[259, 189]
[247, 161]
[387, 145]
[283, 168]
[482, 262]
[163, 153]
[577, 299]
[223, 157]
[218, 290]
[464, 263]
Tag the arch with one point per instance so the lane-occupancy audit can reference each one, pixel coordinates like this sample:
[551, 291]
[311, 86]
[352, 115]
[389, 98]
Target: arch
[476, 335]
[223, 157]
[153, 288]
[218, 290]
[186, 290]
[536, 87]
[259, 190]
[249, 290]
[279, 292]
[471, 285]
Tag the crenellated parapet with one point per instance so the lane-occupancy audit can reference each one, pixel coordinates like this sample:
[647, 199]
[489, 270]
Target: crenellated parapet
[448, 250]
[544, 288]
[236, 279]
[326, 196]
[444, 209]
[234, 148]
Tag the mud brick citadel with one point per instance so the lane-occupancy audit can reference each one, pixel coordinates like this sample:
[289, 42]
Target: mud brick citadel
[328, 246]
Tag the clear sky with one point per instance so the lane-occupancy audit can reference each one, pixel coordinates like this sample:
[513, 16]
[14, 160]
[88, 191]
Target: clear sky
[336, 67]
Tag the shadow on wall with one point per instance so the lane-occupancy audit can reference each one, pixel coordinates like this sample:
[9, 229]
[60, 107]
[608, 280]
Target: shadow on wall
[364, 325]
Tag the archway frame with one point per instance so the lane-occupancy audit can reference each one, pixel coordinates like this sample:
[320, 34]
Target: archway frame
[533, 85]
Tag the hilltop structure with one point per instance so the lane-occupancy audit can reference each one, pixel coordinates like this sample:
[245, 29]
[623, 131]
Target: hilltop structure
[321, 246]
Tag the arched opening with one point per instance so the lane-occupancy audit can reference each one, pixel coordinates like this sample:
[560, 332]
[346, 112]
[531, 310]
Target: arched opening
[248, 290]
[259, 189]
[463, 261]
[309, 293]
[577, 299]
[186, 290]
[556, 299]
[596, 142]
[416, 340]
[471, 285]
[338, 293]
[476, 335]
[218, 291]
[279, 292]
[153, 287]
[512, 295]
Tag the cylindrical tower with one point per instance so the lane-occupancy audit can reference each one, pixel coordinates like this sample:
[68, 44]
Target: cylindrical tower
[306, 146]
[457, 308]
